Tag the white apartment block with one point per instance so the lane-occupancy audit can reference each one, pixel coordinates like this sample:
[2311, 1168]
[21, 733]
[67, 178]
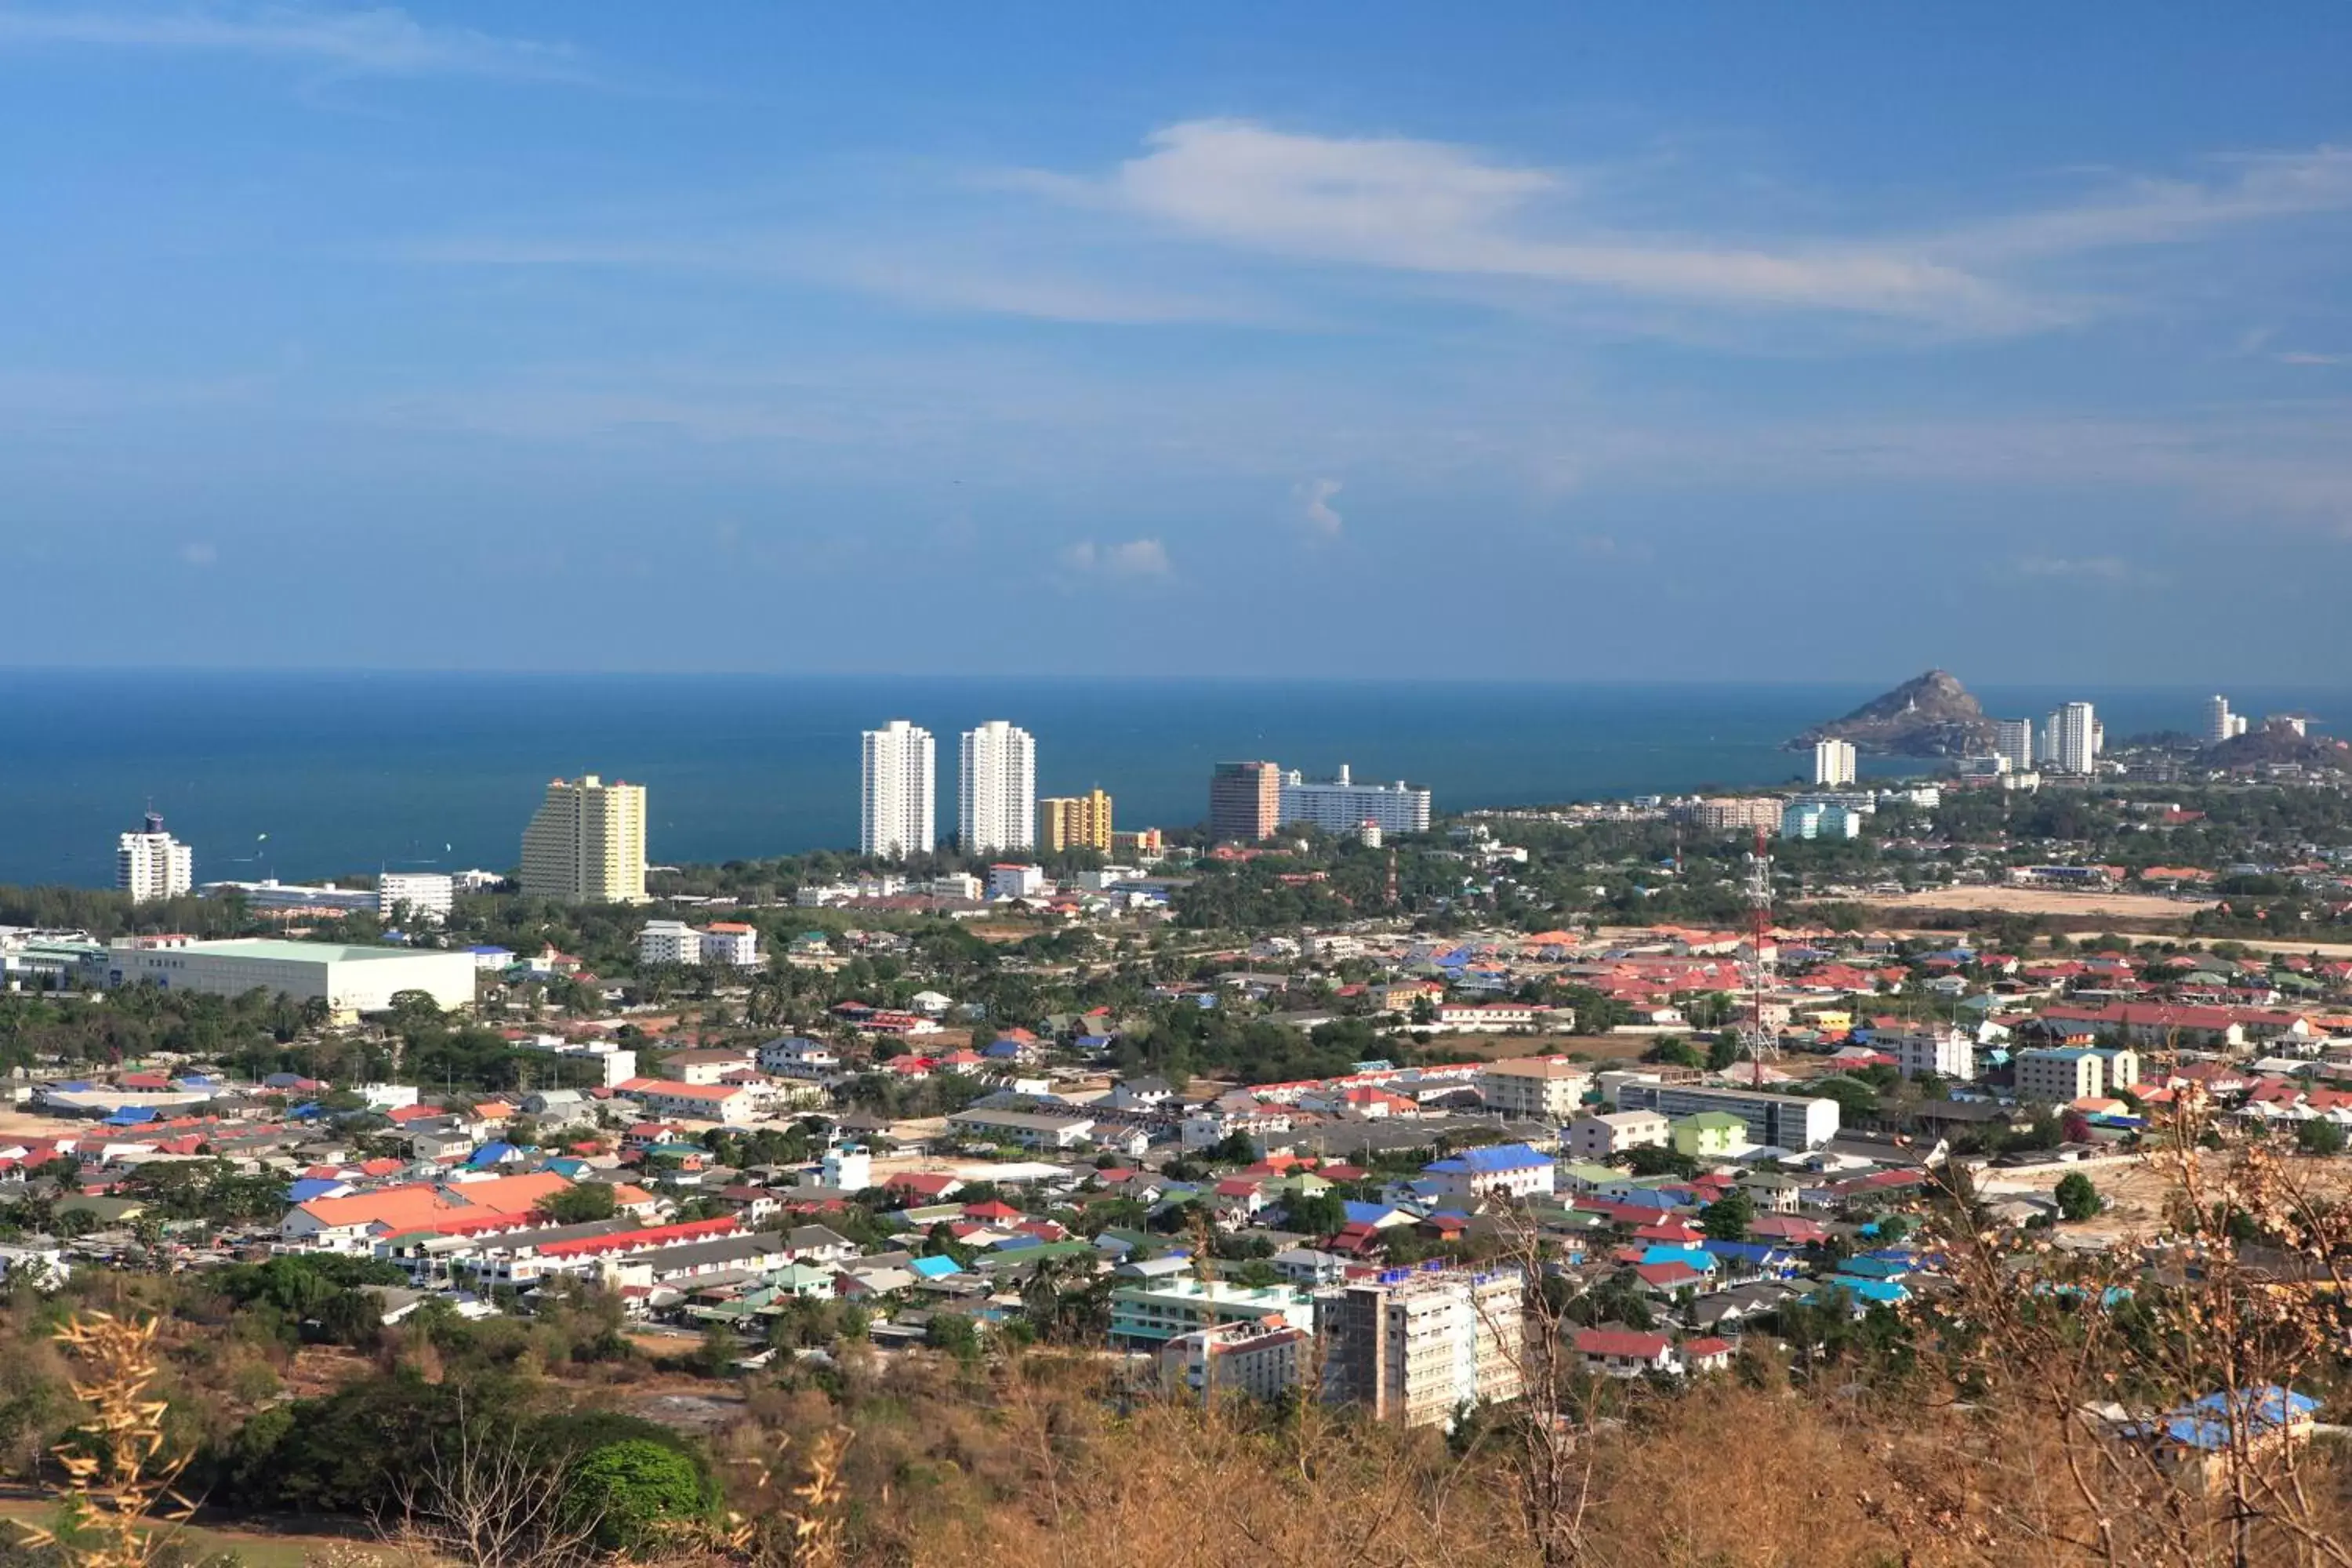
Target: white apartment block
[898, 812]
[2060, 1076]
[731, 943]
[726, 943]
[1834, 764]
[997, 794]
[151, 864]
[1343, 805]
[1947, 1053]
[1418, 1345]
[1016, 881]
[669, 942]
[2013, 739]
[427, 895]
[1812, 819]
[1542, 1088]
[1604, 1136]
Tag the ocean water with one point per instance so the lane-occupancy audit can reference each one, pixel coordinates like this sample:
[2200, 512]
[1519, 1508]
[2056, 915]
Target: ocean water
[350, 772]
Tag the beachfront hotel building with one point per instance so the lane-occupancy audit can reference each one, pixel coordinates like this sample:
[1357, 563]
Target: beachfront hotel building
[1073, 822]
[587, 843]
[1244, 802]
[151, 864]
[427, 895]
[997, 789]
[898, 812]
[1342, 805]
[1832, 763]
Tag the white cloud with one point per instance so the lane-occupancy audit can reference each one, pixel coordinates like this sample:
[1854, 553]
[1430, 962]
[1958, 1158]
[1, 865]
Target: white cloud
[196, 552]
[384, 41]
[2304, 356]
[1137, 558]
[2248, 189]
[1314, 507]
[1404, 204]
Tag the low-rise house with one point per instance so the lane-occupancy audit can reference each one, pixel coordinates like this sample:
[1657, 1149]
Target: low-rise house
[1026, 1129]
[1626, 1353]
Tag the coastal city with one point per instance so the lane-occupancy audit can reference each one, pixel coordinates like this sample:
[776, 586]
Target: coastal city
[1327, 1095]
[1208, 786]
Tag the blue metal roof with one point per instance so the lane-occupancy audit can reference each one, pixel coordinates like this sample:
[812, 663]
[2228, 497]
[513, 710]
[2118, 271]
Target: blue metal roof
[1884, 1291]
[1485, 1162]
[1690, 1256]
[935, 1268]
[2205, 1423]
[1365, 1213]
[1754, 1252]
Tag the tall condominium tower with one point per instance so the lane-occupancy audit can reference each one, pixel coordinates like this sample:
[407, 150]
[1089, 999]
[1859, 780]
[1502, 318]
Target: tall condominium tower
[1244, 801]
[2074, 733]
[2013, 739]
[2221, 724]
[997, 799]
[1832, 763]
[151, 864]
[586, 845]
[897, 813]
[1073, 822]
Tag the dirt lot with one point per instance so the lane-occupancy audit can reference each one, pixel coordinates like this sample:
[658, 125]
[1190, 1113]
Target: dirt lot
[1499, 1047]
[2136, 1191]
[23, 1124]
[2043, 901]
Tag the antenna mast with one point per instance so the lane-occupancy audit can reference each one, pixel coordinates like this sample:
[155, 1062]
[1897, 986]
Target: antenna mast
[1758, 1041]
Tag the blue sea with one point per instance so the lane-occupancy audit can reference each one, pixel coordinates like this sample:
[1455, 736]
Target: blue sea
[356, 772]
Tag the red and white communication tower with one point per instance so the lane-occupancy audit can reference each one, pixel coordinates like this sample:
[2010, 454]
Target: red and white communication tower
[1759, 1041]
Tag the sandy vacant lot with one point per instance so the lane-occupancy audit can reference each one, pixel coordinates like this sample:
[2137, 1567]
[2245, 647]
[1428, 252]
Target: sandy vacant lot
[23, 1124]
[1496, 1048]
[2044, 901]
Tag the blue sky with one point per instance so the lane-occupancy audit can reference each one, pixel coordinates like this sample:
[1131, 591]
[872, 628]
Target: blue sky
[1574, 342]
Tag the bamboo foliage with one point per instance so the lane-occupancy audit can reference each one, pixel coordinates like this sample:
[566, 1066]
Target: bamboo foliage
[117, 1506]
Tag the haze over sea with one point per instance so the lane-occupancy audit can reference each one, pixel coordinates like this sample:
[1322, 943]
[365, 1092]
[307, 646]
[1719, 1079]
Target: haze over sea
[351, 773]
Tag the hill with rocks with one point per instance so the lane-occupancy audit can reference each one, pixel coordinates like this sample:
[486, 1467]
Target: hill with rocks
[2274, 745]
[1932, 715]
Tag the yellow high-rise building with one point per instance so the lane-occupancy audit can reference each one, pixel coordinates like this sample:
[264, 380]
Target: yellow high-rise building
[587, 843]
[1073, 822]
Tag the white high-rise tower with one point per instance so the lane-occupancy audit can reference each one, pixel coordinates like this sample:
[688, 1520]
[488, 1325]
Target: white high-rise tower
[2221, 724]
[151, 864]
[2013, 739]
[1832, 763]
[999, 793]
[2076, 735]
[898, 812]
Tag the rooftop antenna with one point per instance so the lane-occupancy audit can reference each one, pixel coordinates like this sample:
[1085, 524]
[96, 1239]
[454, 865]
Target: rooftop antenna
[1757, 1042]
